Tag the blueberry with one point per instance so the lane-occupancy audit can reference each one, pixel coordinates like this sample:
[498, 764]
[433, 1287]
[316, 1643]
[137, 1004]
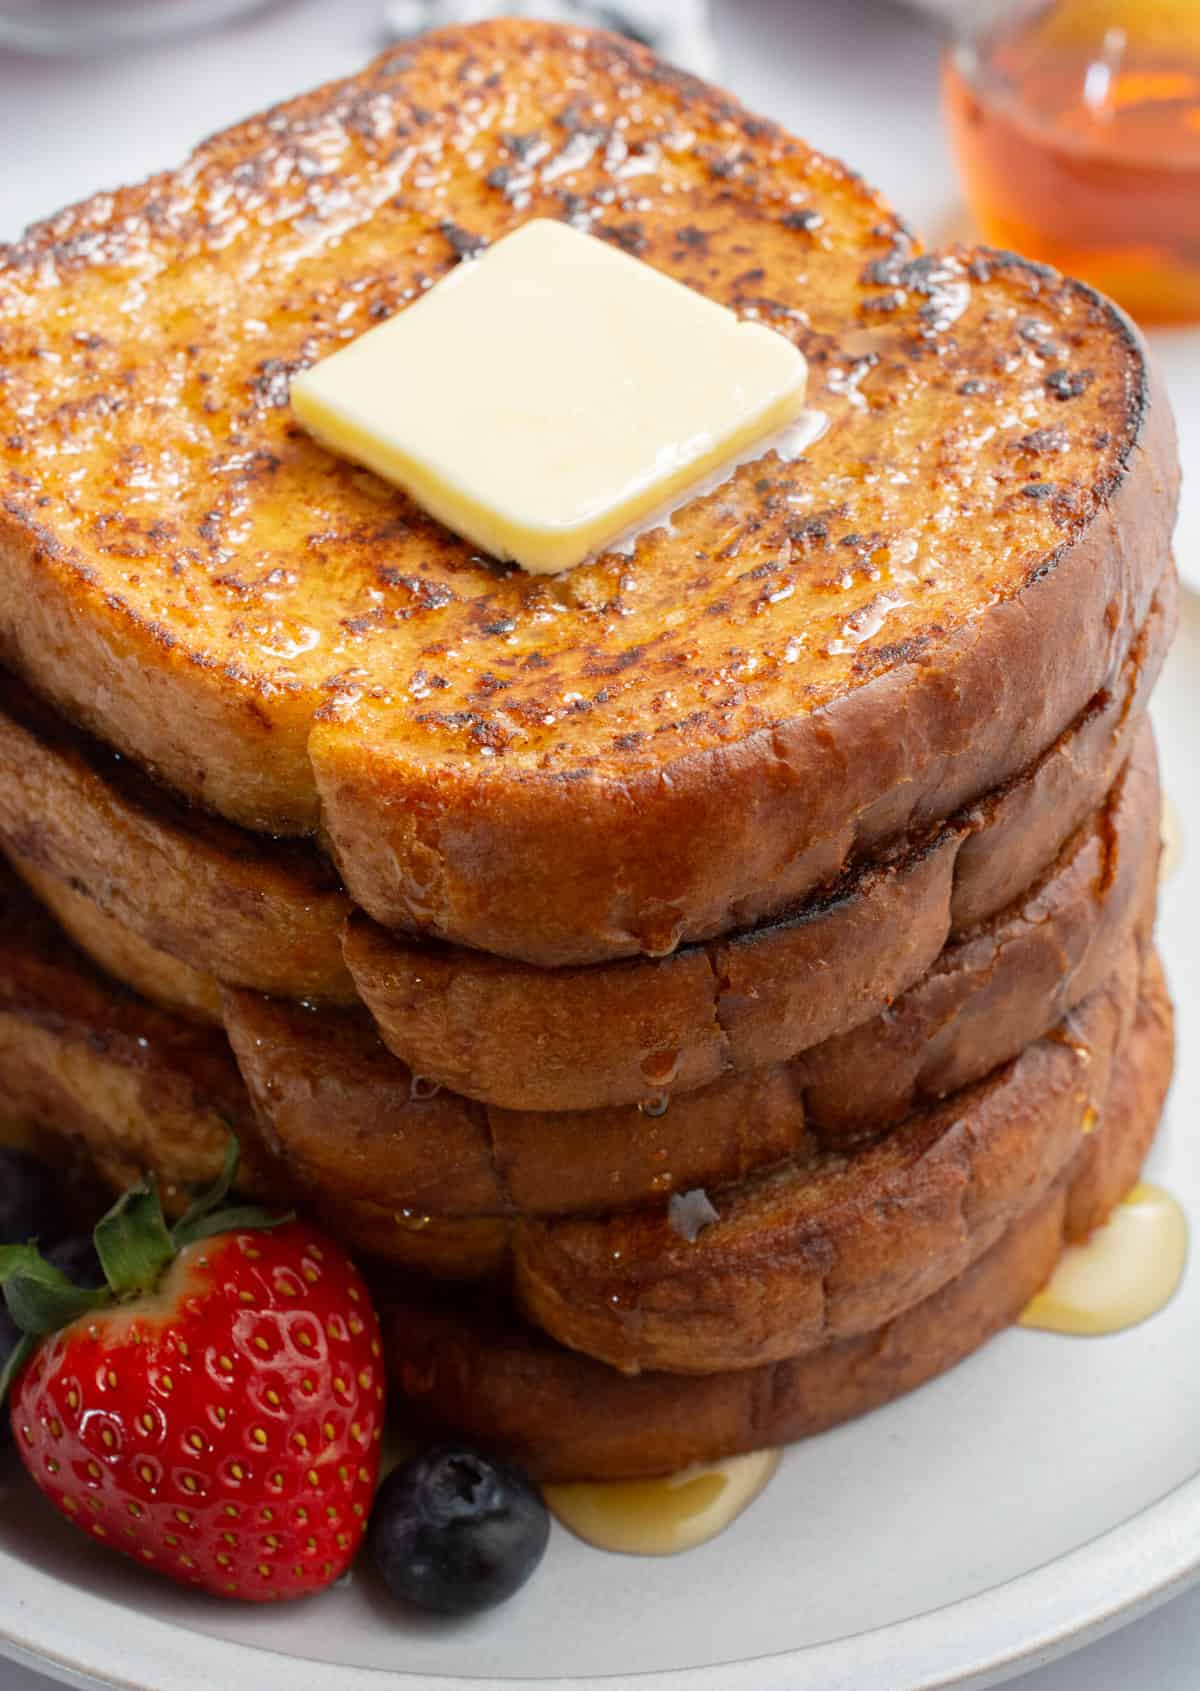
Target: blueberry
[77, 1259]
[27, 1200]
[10, 1338]
[454, 1532]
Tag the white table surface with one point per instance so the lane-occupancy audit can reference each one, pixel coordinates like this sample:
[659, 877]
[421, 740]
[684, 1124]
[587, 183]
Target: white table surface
[856, 77]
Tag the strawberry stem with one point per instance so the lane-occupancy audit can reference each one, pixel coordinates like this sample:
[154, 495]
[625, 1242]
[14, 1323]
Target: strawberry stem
[135, 1248]
[132, 1242]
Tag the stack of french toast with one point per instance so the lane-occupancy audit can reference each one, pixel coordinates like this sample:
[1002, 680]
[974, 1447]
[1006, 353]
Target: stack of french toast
[705, 989]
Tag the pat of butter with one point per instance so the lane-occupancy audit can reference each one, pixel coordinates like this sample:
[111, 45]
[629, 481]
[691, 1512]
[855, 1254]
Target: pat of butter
[542, 399]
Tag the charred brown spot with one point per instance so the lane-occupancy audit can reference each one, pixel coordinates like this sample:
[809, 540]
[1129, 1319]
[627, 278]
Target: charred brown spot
[1069, 384]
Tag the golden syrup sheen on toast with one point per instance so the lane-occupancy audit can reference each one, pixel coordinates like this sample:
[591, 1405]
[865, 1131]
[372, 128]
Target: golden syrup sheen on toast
[1077, 127]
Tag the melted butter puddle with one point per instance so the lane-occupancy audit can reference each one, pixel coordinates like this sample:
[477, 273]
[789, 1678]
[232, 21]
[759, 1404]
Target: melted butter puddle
[1126, 1272]
[663, 1517]
[788, 444]
[1172, 841]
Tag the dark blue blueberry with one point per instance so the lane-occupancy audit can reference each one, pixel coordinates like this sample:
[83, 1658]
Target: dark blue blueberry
[28, 1206]
[454, 1532]
[76, 1258]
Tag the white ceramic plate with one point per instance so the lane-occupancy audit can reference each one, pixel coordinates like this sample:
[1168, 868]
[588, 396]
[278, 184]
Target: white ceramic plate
[1043, 1492]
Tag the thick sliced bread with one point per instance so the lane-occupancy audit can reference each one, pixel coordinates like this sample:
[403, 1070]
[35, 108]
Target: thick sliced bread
[837, 1244]
[350, 1127]
[526, 1038]
[211, 901]
[87, 1062]
[875, 1228]
[981, 1004]
[225, 902]
[818, 657]
[126, 1089]
[464, 1372]
[120, 952]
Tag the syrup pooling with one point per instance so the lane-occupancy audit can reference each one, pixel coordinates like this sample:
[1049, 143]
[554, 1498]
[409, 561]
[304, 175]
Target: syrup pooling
[1172, 841]
[1126, 1272]
[663, 1517]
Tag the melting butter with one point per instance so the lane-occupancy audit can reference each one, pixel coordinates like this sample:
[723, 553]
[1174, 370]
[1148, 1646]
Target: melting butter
[1126, 1272]
[1172, 841]
[788, 444]
[595, 390]
[663, 1517]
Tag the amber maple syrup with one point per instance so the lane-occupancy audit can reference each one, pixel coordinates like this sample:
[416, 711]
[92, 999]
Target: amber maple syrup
[1077, 127]
[1125, 1273]
[663, 1517]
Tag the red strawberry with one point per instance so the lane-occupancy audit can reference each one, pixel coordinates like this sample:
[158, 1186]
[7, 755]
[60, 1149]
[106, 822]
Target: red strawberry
[217, 1414]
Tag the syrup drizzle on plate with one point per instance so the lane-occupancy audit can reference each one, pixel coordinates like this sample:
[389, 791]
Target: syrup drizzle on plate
[1172, 841]
[1126, 1272]
[663, 1517]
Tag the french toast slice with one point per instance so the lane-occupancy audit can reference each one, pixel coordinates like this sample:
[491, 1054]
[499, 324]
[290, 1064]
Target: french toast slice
[120, 860]
[525, 1038]
[97, 1065]
[984, 1000]
[223, 901]
[121, 1088]
[836, 1245]
[120, 952]
[355, 1131]
[817, 657]
[90, 1065]
[463, 1370]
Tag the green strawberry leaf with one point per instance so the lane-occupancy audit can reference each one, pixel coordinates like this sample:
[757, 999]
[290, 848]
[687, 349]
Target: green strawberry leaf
[133, 1243]
[207, 1198]
[245, 1217]
[39, 1297]
[25, 1259]
[206, 1219]
[41, 1300]
[18, 1357]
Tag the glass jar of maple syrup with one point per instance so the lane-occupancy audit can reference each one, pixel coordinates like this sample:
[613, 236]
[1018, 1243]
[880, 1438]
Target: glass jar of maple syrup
[1077, 128]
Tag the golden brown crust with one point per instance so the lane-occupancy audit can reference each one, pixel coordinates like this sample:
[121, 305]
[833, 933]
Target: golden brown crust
[252, 911]
[133, 1086]
[979, 1006]
[405, 1169]
[721, 823]
[831, 1248]
[156, 975]
[525, 1038]
[463, 1372]
[564, 771]
[130, 1089]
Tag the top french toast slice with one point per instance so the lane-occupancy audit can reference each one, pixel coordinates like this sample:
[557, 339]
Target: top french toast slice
[645, 750]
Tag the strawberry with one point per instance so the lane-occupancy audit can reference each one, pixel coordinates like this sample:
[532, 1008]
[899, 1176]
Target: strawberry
[216, 1410]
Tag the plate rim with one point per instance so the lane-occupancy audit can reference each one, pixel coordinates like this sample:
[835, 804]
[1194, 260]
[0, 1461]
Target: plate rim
[1064, 1604]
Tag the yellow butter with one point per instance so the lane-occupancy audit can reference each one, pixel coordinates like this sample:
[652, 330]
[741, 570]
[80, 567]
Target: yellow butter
[541, 399]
